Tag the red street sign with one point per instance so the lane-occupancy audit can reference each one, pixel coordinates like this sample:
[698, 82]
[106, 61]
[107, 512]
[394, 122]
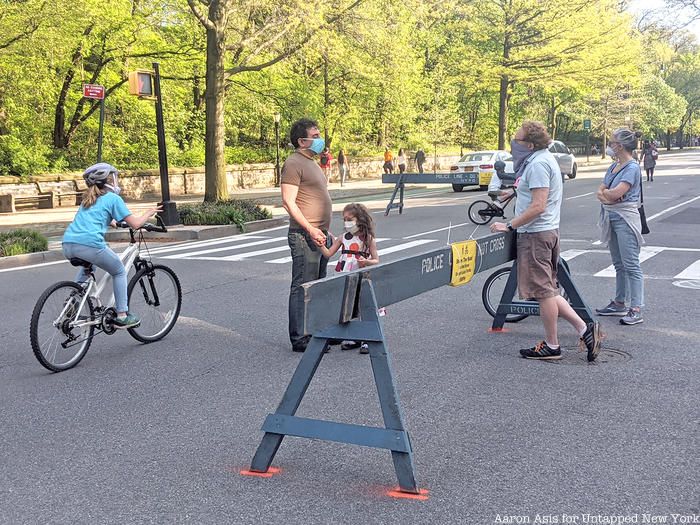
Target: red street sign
[93, 91]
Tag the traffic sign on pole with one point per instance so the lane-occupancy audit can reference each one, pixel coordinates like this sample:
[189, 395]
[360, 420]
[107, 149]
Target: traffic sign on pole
[587, 124]
[94, 91]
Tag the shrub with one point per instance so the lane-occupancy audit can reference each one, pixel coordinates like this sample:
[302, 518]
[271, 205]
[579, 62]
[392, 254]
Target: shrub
[17, 242]
[232, 211]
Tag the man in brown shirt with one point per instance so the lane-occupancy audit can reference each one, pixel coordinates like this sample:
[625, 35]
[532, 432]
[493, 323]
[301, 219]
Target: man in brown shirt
[305, 197]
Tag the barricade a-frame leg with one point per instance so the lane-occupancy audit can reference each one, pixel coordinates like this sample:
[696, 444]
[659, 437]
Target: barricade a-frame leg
[393, 437]
[509, 306]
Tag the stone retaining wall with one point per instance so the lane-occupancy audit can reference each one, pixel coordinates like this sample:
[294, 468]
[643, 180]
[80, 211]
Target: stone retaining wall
[143, 184]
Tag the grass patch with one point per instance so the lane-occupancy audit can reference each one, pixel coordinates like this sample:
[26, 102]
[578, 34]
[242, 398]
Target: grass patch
[17, 242]
[232, 211]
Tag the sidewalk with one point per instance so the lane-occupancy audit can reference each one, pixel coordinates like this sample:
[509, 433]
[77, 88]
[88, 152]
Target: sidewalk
[52, 222]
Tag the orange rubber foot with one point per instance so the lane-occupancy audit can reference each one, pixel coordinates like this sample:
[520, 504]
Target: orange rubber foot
[270, 472]
[398, 493]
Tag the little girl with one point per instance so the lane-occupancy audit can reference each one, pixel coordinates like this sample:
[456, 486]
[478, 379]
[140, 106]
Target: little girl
[84, 237]
[359, 249]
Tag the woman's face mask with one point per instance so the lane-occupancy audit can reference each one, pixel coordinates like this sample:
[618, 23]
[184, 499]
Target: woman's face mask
[610, 152]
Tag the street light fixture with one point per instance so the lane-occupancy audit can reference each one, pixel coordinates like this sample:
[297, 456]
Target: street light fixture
[277, 118]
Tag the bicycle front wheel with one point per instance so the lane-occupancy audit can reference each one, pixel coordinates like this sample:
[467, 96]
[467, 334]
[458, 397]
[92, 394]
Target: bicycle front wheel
[492, 292]
[476, 212]
[58, 331]
[155, 296]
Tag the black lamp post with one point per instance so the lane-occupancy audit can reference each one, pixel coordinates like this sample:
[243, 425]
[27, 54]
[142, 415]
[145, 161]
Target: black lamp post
[277, 118]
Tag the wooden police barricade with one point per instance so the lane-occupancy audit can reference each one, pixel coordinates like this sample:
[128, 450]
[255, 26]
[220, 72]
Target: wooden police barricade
[345, 307]
[399, 180]
[508, 305]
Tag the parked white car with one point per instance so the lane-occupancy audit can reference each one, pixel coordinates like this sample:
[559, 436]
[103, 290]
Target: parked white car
[565, 159]
[481, 162]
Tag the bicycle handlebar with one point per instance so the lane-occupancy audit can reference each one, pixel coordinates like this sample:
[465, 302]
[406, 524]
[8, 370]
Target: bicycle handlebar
[149, 227]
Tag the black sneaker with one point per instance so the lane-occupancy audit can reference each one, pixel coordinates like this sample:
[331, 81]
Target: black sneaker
[364, 348]
[300, 345]
[591, 340]
[541, 351]
[349, 345]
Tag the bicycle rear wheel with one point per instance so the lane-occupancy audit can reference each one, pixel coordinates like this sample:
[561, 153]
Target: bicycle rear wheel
[476, 210]
[492, 292]
[57, 343]
[155, 296]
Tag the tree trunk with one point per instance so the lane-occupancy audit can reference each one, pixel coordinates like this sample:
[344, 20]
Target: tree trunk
[503, 112]
[503, 97]
[553, 119]
[216, 187]
[326, 100]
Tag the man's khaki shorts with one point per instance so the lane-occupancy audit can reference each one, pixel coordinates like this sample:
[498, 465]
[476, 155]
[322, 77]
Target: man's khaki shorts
[538, 257]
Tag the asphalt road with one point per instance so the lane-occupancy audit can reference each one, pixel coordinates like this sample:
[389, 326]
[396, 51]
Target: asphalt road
[158, 433]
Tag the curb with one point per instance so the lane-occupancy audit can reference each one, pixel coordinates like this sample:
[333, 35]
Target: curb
[27, 259]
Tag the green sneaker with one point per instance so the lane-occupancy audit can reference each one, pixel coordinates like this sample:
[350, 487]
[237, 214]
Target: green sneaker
[130, 321]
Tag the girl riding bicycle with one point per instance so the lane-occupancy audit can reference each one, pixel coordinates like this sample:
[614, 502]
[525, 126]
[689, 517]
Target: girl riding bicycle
[84, 237]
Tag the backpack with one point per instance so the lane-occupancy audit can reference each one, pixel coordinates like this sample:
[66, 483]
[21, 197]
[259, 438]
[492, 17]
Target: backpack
[324, 159]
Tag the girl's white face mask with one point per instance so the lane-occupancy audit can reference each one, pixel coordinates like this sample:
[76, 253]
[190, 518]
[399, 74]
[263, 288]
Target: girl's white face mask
[350, 226]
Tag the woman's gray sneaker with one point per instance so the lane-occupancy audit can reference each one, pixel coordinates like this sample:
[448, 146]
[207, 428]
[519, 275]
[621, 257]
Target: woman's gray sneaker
[632, 317]
[612, 309]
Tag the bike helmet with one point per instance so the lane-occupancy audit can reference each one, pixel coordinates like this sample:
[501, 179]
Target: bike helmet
[97, 174]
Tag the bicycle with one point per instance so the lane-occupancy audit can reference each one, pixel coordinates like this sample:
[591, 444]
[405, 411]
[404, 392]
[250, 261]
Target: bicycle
[495, 284]
[68, 315]
[481, 212]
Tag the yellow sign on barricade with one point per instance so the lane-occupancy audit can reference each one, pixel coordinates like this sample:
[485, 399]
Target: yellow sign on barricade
[463, 262]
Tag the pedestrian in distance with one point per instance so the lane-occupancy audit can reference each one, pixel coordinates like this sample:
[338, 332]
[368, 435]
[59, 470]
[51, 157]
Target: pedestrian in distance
[84, 238]
[401, 161]
[325, 159]
[388, 161]
[537, 213]
[621, 227]
[649, 156]
[343, 167]
[306, 199]
[420, 159]
[358, 249]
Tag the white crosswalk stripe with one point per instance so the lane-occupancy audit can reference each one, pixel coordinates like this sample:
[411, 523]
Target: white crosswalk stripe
[646, 252]
[595, 260]
[691, 272]
[225, 248]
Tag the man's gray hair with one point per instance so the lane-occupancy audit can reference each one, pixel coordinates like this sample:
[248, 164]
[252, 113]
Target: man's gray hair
[626, 137]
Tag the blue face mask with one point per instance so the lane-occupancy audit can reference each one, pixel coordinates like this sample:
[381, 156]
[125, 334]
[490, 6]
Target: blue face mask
[520, 154]
[317, 146]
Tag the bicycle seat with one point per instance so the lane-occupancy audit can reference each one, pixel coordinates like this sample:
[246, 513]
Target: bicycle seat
[76, 261]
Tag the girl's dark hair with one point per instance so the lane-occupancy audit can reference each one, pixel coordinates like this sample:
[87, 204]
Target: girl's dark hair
[365, 222]
[300, 130]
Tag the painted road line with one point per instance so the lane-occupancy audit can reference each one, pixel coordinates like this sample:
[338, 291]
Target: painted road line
[202, 244]
[672, 208]
[646, 252]
[438, 230]
[691, 272]
[32, 266]
[570, 254]
[579, 196]
[404, 246]
[225, 248]
[241, 256]
[284, 260]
